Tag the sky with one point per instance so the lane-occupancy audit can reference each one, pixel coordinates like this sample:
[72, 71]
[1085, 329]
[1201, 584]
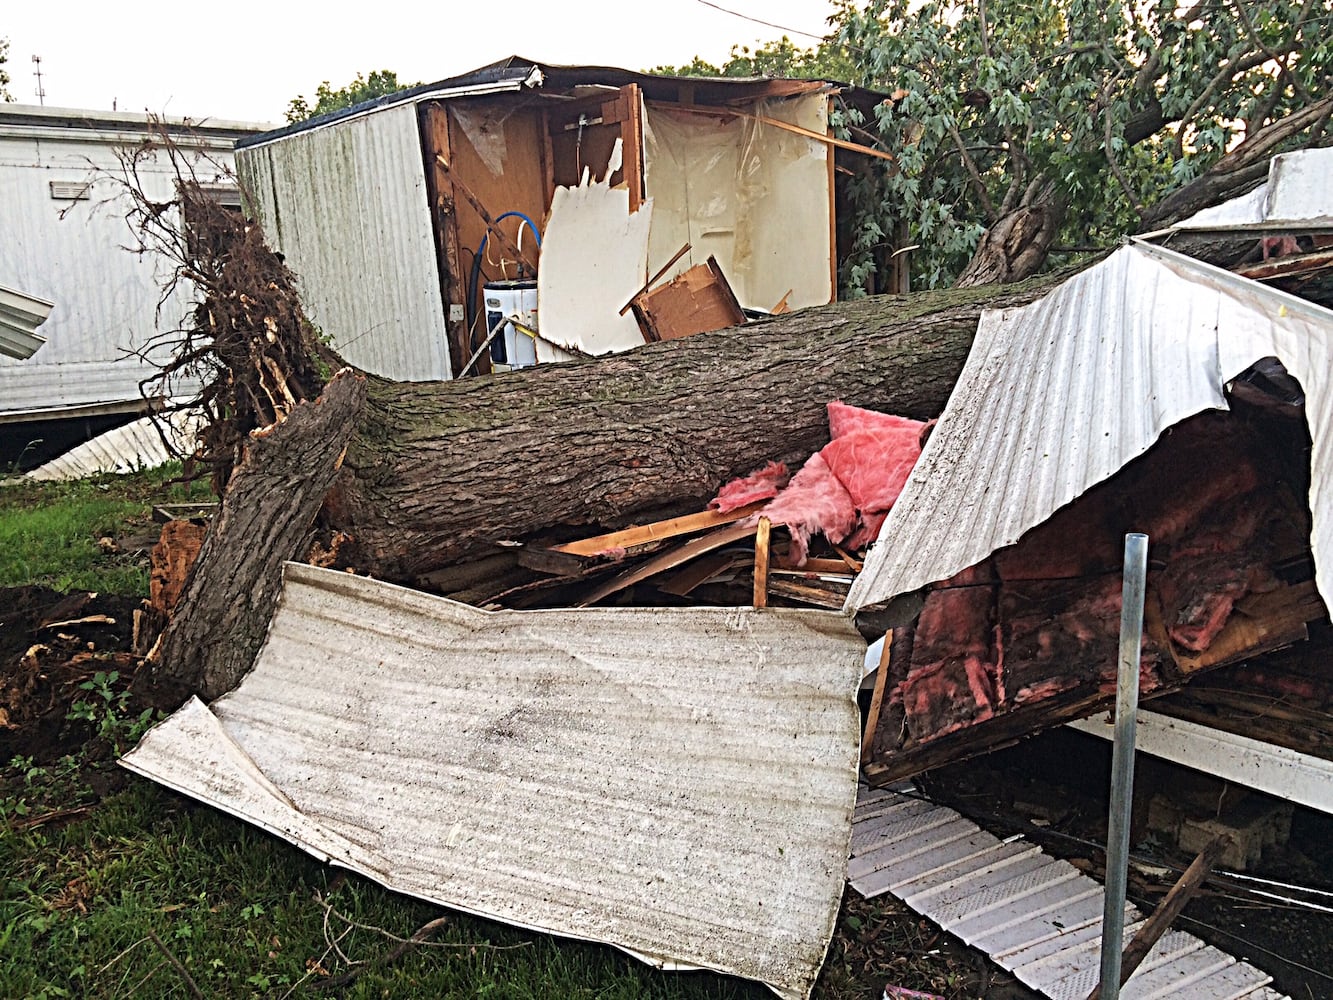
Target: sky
[244, 60]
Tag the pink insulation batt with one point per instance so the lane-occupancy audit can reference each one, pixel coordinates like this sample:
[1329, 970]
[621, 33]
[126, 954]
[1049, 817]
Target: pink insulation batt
[845, 490]
[762, 484]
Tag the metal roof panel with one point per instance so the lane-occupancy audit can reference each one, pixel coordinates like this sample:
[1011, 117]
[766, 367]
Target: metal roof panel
[678, 782]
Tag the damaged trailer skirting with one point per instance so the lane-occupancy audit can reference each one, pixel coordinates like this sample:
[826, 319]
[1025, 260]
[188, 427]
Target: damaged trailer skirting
[1059, 395]
[678, 782]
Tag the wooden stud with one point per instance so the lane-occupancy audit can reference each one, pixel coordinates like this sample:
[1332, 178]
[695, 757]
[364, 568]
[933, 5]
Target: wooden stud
[877, 698]
[656, 531]
[670, 560]
[1167, 911]
[761, 563]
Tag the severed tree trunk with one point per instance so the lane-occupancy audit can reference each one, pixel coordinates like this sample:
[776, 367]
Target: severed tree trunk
[265, 519]
[437, 473]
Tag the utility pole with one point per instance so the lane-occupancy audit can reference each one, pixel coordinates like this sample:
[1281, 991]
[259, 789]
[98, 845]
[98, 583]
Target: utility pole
[41, 91]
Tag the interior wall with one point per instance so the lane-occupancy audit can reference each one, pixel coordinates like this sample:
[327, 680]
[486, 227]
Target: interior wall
[498, 153]
[754, 196]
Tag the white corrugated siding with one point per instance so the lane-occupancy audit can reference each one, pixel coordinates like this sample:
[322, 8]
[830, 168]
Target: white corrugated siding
[347, 206]
[136, 446]
[1059, 395]
[678, 782]
[20, 316]
[1034, 915]
[105, 298]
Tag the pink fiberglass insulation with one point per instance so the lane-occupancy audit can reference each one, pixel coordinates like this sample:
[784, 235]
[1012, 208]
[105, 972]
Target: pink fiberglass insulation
[814, 501]
[954, 678]
[762, 484]
[845, 490]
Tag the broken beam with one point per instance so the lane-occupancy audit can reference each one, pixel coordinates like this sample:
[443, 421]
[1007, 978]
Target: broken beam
[1167, 911]
[656, 531]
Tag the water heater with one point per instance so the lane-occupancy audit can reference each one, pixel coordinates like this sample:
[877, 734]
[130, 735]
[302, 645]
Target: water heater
[505, 300]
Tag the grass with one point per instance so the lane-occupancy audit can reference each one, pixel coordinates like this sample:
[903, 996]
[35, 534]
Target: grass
[49, 532]
[95, 863]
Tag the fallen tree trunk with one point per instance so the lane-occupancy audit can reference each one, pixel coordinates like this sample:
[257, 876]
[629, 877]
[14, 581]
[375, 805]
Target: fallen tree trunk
[437, 473]
[265, 519]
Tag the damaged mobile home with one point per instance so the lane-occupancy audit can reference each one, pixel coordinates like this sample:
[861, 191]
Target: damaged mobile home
[62, 186]
[1142, 394]
[418, 221]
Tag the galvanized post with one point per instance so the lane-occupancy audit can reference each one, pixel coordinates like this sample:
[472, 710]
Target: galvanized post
[1122, 761]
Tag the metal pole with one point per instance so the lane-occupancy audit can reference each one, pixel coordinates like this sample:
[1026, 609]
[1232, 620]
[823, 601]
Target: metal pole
[1122, 761]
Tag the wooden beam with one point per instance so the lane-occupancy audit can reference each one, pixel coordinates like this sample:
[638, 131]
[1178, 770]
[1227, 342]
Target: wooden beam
[877, 698]
[627, 538]
[670, 560]
[797, 129]
[654, 279]
[1167, 911]
[761, 563]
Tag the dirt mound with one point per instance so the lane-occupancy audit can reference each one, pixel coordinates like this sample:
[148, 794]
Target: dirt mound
[50, 644]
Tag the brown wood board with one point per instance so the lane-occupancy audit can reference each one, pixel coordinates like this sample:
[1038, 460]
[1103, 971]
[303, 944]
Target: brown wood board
[698, 300]
[434, 121]
[629, 537]
[699, 572]
[761, 563]
[670, 560]
[877, 698]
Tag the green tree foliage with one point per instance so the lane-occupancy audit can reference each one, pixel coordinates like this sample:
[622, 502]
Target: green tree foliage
[4, 77]
[379, 83]
[1091, 109]
[782, 58]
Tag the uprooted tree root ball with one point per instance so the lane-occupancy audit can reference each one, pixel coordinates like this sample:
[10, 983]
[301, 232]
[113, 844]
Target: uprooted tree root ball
[247, 341]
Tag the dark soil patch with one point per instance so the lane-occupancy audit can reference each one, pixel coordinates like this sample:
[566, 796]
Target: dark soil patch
[50, 643]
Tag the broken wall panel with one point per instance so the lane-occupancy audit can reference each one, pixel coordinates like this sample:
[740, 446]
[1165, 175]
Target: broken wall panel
[754, 196]
[678, 782]
[697, 301]
[1059, 395]
[595, 259]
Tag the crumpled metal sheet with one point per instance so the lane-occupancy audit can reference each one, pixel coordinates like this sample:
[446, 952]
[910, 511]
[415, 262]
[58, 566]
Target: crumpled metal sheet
[1059, 395]
[678, 782]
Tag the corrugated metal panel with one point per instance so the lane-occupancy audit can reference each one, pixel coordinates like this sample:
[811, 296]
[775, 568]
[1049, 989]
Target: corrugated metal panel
[348, 208]
[1250, 763]
[69, 252]
[1036, 916]
[1057, 396]
[136, 446]
[678, 782]
[20, 316]
[1296, 194]
[36, 389]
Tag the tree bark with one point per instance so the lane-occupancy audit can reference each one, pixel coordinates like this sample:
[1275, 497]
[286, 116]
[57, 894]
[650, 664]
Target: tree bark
[264, 519]
[437, 473]
[1015, 248]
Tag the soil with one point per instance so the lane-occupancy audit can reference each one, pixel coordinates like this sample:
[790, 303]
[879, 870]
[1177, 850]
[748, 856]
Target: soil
[50, 643]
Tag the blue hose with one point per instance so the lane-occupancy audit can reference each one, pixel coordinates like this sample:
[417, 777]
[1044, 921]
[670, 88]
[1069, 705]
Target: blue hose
[475, 275]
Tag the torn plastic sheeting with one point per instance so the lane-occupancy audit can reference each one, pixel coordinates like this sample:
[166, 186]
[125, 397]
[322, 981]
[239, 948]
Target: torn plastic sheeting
[753, 196]
[677, 782]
